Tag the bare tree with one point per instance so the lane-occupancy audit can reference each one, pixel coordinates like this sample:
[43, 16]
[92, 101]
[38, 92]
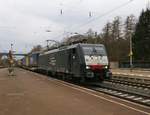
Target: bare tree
[36, 48]
[116, 28]
[130, 24]
[90, 33]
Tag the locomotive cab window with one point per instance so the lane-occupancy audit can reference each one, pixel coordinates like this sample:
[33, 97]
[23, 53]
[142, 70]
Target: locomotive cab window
[94, 51]
[73, 51]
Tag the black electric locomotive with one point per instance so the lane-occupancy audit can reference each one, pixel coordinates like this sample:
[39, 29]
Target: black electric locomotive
[78, 62]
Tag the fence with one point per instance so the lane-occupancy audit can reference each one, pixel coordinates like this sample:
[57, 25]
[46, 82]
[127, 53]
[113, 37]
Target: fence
[136, 64]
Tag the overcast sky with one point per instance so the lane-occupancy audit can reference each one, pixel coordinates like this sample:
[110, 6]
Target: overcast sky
[25, 22]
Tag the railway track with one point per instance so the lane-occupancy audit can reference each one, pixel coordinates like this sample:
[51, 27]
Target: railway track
[138, 92]
[133, 92]
[122, 94]
[129, 79]
[126, 89]
[130, 82]
[129, 91]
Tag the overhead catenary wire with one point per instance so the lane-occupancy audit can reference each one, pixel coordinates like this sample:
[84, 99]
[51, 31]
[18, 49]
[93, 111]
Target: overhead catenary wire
[91, 19]
[105, 14]
[65, 9]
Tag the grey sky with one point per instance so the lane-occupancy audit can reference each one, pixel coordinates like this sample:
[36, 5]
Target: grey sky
[24, 22]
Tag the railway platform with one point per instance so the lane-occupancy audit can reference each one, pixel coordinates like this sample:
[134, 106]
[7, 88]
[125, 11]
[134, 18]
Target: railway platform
[1, 67]
[140, 73]
[29, 93]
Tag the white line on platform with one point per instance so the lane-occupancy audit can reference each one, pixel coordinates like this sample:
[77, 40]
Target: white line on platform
[81, 89]
[15, 94]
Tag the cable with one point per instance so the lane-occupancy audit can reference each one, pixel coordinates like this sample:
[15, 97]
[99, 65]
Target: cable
[100, 16]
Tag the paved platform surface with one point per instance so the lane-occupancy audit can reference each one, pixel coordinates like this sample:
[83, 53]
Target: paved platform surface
[30, 93]
[135, 72]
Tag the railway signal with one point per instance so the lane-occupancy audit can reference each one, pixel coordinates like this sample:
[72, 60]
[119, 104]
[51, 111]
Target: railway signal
[11, 61]
[61, 11]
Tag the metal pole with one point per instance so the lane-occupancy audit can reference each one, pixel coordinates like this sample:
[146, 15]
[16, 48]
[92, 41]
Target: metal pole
[11, 47]
[11, 61]
[47, 43]
[131, 53]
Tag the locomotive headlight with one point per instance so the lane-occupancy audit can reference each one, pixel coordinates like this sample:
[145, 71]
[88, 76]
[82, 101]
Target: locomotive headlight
[106, 67]
[87, 67]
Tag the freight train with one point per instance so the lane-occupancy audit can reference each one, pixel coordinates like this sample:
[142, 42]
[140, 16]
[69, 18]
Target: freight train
[83, 62]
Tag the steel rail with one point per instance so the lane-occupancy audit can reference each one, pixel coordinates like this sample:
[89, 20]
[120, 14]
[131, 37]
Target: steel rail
[127, 95]
[130, 83]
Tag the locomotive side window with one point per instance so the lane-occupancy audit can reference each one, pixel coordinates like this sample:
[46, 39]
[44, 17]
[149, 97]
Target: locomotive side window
[73, 51]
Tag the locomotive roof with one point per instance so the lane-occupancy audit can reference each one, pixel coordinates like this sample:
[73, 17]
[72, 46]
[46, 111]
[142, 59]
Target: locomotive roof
[69, 47]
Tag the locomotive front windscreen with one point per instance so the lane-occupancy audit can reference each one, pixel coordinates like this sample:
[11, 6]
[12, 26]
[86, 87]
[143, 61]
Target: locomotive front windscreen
[95, 55]
[95, 50]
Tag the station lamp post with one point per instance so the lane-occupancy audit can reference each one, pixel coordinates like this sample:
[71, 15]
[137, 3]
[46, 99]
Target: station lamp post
[11, 61]
[131, 54]
[12, 47]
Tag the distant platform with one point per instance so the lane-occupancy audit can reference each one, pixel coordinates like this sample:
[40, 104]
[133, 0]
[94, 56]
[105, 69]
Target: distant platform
[1, 66]
[142, 73]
